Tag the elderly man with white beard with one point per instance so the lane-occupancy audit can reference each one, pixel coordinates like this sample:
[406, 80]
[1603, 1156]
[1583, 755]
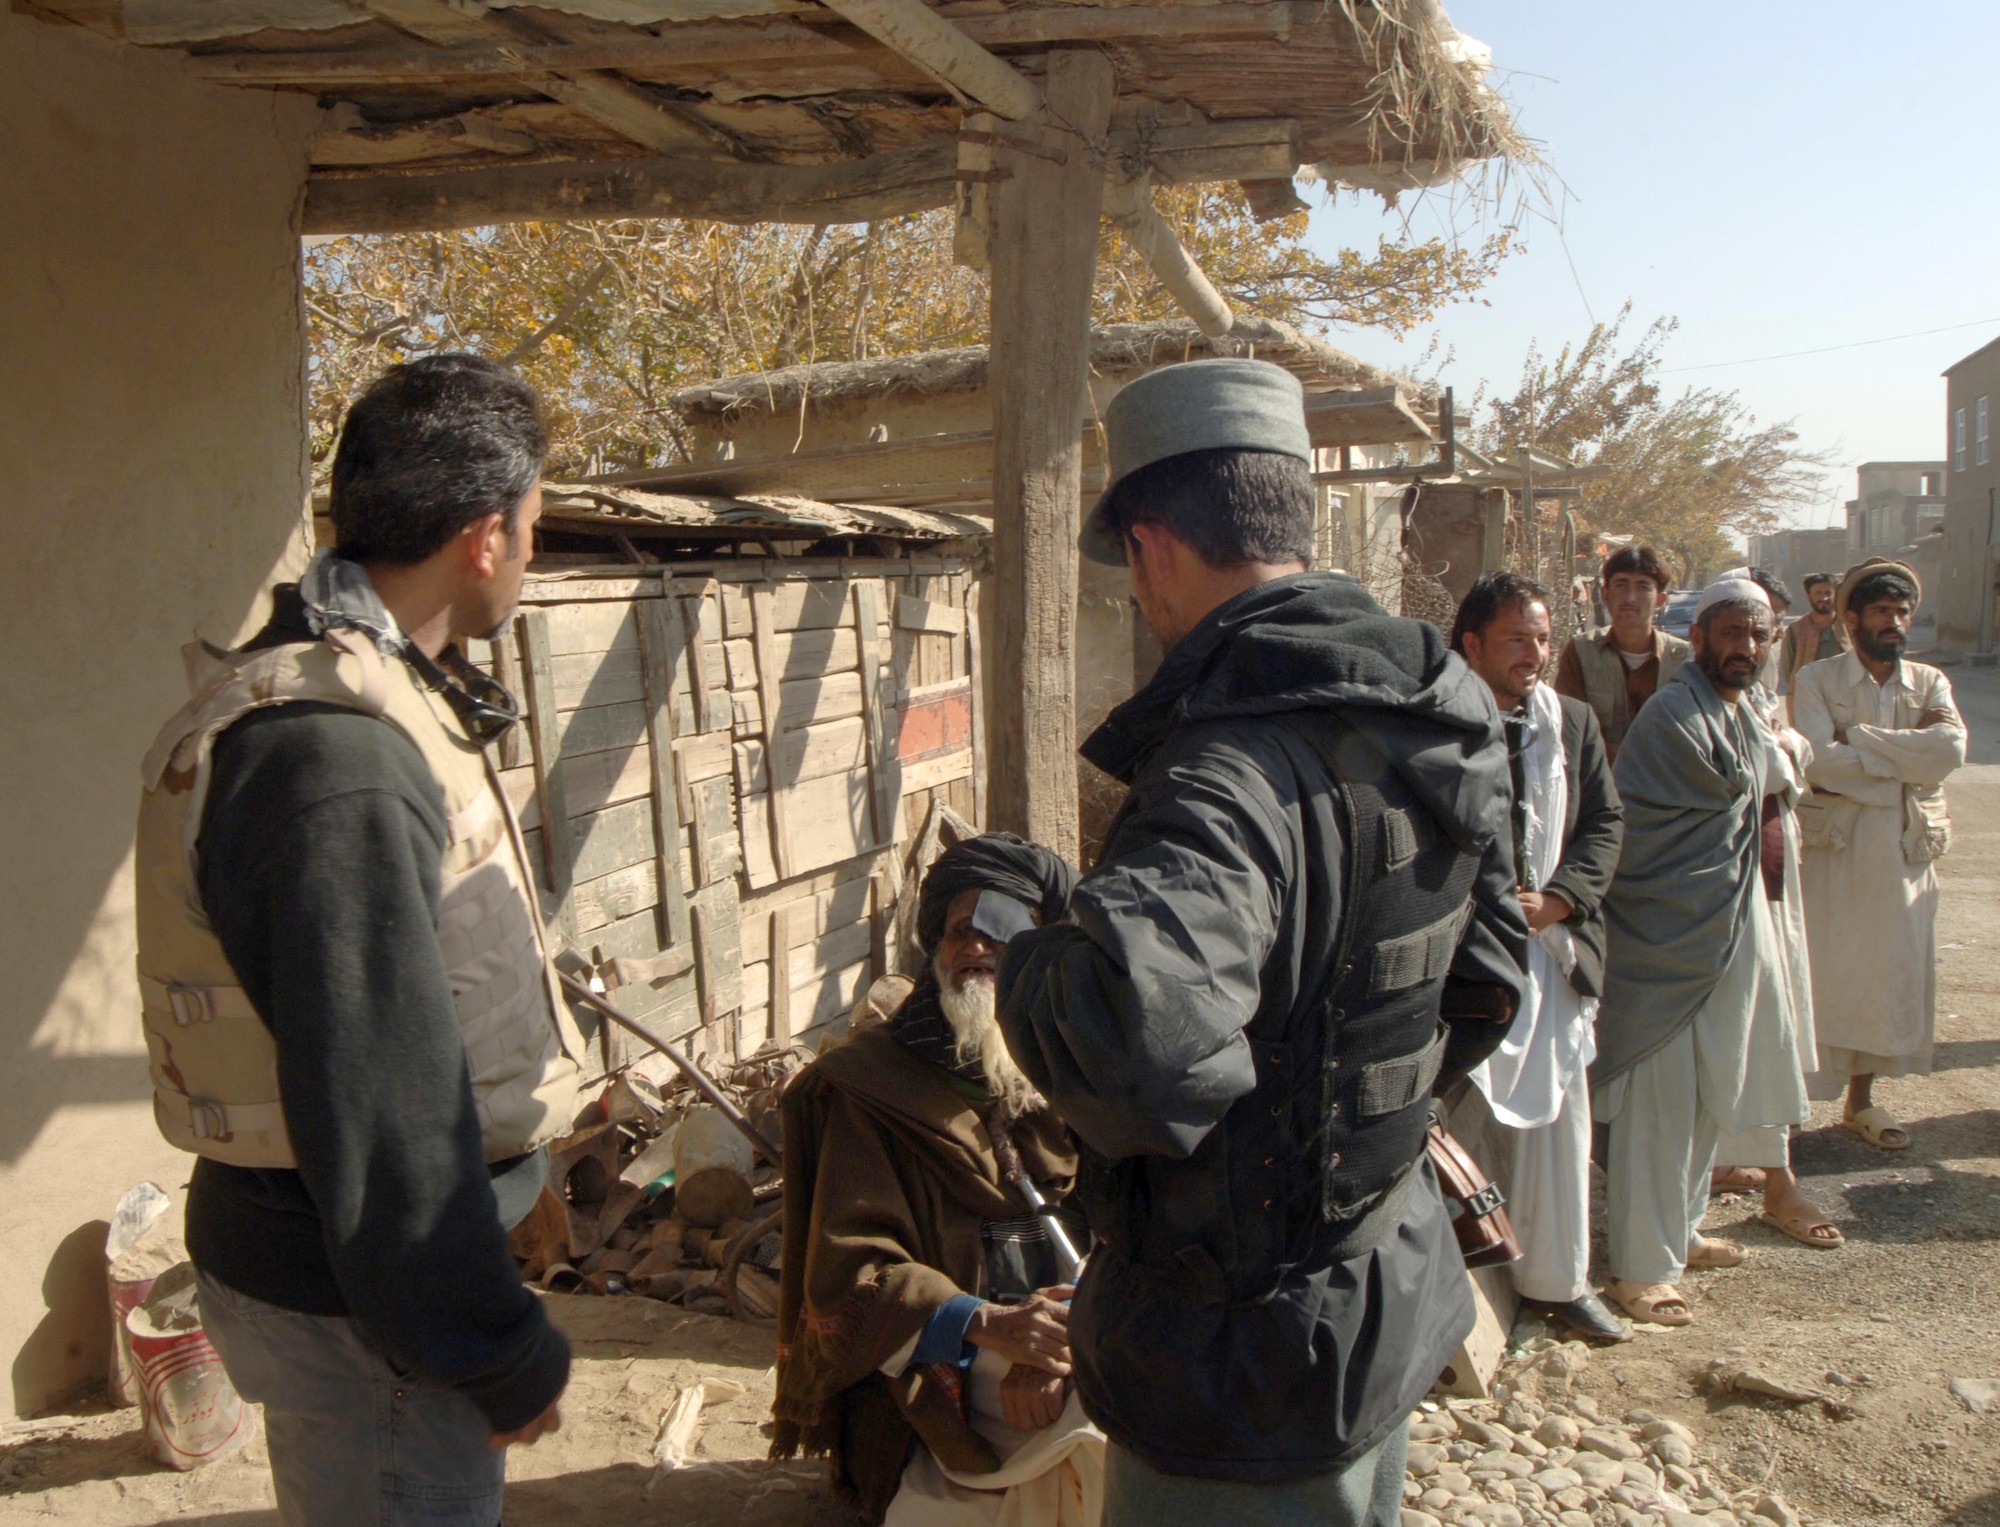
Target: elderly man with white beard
[923, 1341]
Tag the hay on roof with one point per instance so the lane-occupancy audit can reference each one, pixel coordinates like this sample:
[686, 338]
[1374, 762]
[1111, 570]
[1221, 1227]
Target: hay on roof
[1117, 349]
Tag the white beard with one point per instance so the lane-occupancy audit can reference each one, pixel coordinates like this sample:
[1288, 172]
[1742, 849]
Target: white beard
[971, 1012]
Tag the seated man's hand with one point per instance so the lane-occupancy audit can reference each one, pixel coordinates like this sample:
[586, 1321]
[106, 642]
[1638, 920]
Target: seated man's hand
[1033, 1334]
[1031, 1399]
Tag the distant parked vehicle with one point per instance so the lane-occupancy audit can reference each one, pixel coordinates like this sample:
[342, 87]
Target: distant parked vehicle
[1678, 617]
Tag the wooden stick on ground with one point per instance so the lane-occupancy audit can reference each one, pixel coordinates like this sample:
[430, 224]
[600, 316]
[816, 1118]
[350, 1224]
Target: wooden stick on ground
[697, 1078]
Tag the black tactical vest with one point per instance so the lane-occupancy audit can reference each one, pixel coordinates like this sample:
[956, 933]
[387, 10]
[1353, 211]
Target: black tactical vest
[1315, 1164]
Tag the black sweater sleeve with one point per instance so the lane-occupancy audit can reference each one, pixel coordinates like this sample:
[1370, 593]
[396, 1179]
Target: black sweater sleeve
[320, 872]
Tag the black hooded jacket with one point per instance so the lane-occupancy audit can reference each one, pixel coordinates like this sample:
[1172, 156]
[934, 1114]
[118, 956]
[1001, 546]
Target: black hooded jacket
[1203, 944]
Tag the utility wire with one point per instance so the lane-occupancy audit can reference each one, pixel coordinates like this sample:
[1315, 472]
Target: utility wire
[1829, 349]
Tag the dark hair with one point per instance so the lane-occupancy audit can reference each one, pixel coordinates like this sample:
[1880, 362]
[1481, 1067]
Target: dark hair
[1772, 587]
[1815, 578]
[1488, 599]
[430, 447]
[1640, 561]
[1882, 585]
[1230, 506]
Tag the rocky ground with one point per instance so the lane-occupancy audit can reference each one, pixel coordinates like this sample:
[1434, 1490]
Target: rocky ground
[1884, 1346]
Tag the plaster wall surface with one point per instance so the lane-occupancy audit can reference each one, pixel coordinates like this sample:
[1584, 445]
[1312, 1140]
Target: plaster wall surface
[152, 482]
[1968, 598]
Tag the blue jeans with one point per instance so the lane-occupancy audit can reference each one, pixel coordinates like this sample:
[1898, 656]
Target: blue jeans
[353, 1443]
[1367, 1493]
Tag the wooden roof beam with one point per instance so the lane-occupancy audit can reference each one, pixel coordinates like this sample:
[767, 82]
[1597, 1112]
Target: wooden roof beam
[1130, 206]
[849, 191]
[941, 49]
[724, 191]
[607, 99]
[712, 43]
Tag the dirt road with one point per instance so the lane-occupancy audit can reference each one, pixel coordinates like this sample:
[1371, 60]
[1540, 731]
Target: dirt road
[1882, 1326]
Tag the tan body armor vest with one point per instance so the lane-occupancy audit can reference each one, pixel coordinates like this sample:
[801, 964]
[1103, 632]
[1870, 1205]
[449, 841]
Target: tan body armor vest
[1604, 674]
[214, 1063]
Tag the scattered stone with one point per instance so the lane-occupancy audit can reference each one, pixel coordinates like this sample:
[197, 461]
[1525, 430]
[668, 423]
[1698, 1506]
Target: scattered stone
[1636, 1473]
[1681, 1479]
[1611, 1444]
[1454, 1481]
[1598, 1472]
[1575, 1519]
[1425, 1459]
[1835, 1376]
[1655, 1428]
[1495, 1514]
[1491, 1433]
[1459, 1452]
[1419, 1519]
[1572, 1500]
[1640, 1418]
[1584, 1406]
[1502, 1489]
[1684, 1519]
[1431, 1431]
[1521, 1415]
[1508, 1465]
[1977, 1395]
[1670, 1449]
[1558, 1431]
[1553, 1481]
[1775, 1508]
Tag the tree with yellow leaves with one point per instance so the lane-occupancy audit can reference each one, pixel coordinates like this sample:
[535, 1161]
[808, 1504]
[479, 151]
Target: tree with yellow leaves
[608, 319]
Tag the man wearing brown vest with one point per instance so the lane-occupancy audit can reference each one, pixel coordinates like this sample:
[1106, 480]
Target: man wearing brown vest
[348, 1006]
[1617, 670]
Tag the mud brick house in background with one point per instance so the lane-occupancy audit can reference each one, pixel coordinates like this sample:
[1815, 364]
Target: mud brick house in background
[167, 155]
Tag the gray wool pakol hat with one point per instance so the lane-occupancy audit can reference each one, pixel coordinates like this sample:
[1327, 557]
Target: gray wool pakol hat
[1224, 404]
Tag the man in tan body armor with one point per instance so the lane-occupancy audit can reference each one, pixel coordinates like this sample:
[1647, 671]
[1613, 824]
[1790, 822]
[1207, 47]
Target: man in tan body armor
[348, 1006]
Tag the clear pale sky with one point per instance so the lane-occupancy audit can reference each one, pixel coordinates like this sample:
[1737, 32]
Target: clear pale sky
[1778, 176]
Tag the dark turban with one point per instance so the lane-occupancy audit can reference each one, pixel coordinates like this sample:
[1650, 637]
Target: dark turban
[997, 861]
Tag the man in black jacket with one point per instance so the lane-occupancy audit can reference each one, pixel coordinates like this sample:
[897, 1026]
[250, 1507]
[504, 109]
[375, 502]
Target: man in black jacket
[1525, 1110]
[1241, 1019]
[380, 1053]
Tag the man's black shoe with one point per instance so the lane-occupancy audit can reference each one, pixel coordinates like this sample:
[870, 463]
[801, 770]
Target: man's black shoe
[1591, 1318]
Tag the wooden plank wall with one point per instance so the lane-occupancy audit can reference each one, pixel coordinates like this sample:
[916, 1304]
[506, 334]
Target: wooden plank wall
[811, 711]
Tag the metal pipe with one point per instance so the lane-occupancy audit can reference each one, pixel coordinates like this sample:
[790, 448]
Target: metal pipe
[696, 1077]
[1069, 1262]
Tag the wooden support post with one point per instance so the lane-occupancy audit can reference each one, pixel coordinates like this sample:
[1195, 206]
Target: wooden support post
[661, 640]
[884, 786]
[769, 689]
[780, 999]
[538, 678]
[1044, 254]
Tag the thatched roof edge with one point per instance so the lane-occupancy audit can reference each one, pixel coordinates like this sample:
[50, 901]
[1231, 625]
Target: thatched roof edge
[1116, 349]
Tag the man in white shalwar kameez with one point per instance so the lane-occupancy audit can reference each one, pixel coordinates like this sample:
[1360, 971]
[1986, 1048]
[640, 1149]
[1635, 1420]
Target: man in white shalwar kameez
[1885, 734]
[1698, 1031]
[1524, 1112]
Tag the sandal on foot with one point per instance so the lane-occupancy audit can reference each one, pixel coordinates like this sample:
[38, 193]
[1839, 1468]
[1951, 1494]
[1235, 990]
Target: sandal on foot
[1660, 1304]
[1710, 1251]
[1736, 1179]
[1807, 1226]
[1879, 1128]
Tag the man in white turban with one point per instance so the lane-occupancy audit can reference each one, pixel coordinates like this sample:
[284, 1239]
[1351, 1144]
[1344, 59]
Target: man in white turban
[1705, 987]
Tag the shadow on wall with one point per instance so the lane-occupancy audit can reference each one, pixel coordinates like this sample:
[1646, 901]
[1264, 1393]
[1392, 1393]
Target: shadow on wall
[100, 962]
[70, 1350]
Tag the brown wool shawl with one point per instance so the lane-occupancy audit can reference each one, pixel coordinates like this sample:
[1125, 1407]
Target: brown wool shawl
[889, 1174]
